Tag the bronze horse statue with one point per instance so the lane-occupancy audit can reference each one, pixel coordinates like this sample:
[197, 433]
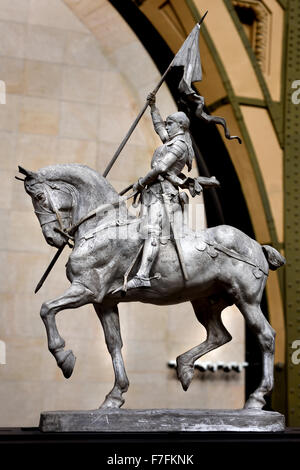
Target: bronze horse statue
[224, 266]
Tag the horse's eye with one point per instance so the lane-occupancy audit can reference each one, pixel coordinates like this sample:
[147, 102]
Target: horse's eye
[40, 197]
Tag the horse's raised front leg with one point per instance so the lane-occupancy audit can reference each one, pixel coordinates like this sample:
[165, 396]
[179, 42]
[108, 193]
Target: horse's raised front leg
[265, 334]
[76, 296]
[209, 314]
[109, 317]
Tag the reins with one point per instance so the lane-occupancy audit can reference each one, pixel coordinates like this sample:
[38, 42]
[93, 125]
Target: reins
[69, 232]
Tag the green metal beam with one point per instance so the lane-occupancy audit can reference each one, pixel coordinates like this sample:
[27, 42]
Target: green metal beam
[274, 108]
[292, 210]
[251, 102]
[244, 100]
[217, 104]
[282, 3]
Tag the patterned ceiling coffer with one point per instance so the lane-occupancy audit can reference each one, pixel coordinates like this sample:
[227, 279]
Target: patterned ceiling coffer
[256, 18]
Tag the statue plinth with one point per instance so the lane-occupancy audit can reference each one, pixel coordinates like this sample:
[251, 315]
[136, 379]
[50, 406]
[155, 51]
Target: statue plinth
[162, 420]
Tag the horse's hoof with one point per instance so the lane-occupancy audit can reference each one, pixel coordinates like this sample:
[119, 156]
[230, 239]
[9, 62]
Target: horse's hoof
[185, 374]
[112, 402]
[67, 364]
[254, 403]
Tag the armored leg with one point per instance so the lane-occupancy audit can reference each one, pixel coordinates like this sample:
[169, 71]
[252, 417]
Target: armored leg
[150, 252]
[151, 232]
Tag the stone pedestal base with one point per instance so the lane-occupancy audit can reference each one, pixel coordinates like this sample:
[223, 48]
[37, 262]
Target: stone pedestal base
[163, 420]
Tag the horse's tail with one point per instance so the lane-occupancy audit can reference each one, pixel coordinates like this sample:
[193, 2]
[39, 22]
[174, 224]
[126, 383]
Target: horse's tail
[274, 258]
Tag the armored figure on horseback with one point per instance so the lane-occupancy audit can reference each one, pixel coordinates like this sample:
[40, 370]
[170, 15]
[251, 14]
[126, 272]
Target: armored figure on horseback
[223, 267]
[160, 196]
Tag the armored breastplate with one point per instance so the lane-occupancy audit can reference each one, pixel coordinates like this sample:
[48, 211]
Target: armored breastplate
[181, 154]
[158, 155]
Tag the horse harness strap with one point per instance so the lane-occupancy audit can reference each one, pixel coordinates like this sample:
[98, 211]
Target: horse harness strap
[116, 223]
[55, 210]
[94, 212]
[212, 246]
[70, 231]
[232, 254]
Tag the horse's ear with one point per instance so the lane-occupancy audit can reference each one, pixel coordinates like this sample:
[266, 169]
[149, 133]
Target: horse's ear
[30, 174]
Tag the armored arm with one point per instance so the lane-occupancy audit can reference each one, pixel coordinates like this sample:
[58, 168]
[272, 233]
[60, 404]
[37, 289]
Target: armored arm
[158, 122]
[160, 169]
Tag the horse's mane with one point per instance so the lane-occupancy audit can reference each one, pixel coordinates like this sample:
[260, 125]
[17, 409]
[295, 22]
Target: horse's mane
[72, 173]
[79, 176]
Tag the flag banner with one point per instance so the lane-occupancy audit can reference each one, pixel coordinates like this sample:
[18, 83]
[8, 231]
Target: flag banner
[188, 57]
[216, 120]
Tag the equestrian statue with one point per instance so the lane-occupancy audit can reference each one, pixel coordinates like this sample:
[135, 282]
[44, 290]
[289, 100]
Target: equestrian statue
[152, 257]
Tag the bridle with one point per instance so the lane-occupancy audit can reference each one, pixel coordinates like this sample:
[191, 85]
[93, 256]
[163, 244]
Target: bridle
[56, 216]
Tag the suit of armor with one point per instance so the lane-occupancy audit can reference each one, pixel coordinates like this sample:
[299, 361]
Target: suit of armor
[159, 188]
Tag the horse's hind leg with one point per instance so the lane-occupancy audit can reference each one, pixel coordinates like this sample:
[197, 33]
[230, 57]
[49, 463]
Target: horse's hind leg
[76, 296]
[109, 317]
[209, 314]
[257, 322]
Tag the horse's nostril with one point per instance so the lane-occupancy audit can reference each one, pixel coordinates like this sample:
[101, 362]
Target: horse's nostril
[50, 240]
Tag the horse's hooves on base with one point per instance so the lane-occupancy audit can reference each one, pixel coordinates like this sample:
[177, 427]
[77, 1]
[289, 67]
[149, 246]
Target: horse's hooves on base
[111, 402]
[67, 365]
[185, 375]
[254, 404]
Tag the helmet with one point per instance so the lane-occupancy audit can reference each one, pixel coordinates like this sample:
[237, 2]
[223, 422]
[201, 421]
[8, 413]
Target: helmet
[181, 118]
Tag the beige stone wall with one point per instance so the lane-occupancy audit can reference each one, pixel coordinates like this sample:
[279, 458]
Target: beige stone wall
[270, 154]
[70, 98]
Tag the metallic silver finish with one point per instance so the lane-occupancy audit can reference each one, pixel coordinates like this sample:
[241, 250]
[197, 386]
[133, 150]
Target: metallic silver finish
[224, 267]
[163, 420]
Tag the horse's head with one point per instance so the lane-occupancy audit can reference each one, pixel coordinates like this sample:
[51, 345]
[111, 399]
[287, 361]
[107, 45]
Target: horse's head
[52, 202]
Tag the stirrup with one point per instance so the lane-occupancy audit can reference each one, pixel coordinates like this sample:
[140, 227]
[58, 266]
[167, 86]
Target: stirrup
[135, 282]
[140, 281]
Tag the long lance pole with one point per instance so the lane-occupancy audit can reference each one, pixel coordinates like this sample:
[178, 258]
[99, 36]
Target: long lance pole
[109, 166]
[135, 123]
[52, 263]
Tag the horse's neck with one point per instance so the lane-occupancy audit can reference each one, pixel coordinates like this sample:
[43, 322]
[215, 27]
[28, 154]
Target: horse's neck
[87, 199]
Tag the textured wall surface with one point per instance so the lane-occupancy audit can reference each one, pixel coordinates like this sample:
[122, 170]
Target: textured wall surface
[71, 97]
